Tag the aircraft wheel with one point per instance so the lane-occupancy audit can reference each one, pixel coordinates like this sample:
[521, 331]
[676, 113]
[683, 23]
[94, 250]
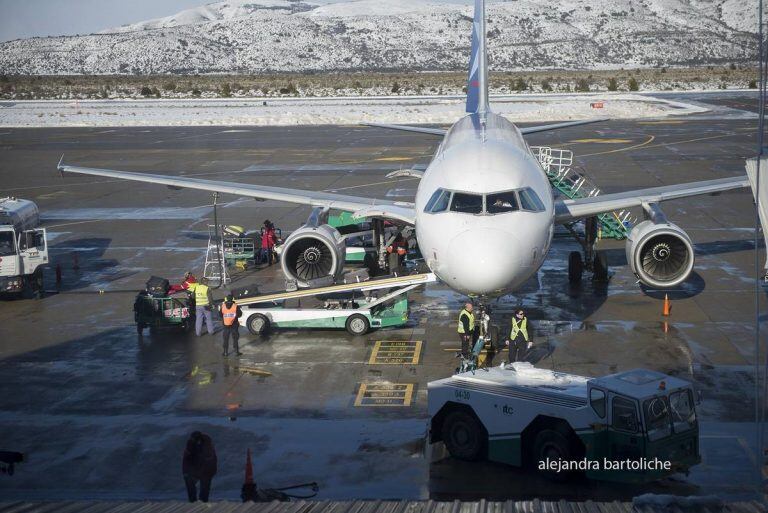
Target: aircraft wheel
[357, 325]
[575, 267]
[553, 446]
[601, 267]
[258, 324]
[464, 436]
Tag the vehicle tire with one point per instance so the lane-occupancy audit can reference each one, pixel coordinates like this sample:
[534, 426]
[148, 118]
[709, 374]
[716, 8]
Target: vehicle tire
[552, 445]
[575, 267]
[464, 436]
[357, 325]
[258, 324]
[600, 273]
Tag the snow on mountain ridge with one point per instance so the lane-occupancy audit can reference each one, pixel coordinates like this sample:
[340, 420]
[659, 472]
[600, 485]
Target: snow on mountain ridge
[252, 36]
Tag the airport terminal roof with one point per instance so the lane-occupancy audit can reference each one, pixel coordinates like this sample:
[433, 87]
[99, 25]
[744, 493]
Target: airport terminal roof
[644, 504]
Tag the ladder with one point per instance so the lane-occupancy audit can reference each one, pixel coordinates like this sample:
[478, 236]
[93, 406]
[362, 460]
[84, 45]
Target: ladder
[215, 264]
[573, 183]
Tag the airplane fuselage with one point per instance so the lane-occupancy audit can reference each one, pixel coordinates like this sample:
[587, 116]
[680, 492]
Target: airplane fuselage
[486, 234]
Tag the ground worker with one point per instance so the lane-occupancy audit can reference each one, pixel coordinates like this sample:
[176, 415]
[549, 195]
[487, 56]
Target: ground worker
[199, 464]
[519, 342]
[188, 284]
[230, 313]
[268, 241]
[466, 329]
[396, 253]
[203, 302]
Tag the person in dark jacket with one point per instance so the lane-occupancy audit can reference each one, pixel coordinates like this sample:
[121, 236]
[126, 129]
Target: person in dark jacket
[199, 464]
[230, 313]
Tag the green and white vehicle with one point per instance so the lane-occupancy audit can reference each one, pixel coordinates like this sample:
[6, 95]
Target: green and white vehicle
[349, 306]
[635, 426]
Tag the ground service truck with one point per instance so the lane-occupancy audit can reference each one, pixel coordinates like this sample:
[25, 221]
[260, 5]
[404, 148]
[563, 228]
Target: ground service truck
[635, 426]
[23, 247]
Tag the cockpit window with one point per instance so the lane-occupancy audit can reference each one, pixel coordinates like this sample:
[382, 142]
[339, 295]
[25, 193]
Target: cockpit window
[467, 203]
[439, 201]
[501, 202]
[530, 201]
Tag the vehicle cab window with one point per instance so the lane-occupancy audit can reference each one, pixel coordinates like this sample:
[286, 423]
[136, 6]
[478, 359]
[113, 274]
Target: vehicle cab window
[597, 400]
[530, 201]
[7, 244]
[467, 203]
[656, 411]
[624, 415]
[438, 202]
[502, 202]
[683, 412]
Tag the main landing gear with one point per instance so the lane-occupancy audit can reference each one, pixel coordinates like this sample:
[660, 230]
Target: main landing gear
[589, 258]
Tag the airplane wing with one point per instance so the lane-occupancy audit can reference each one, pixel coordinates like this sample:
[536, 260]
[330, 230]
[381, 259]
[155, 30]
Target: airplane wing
[360, 207]
[523, 130]
[567, 210]
[543, 128]
[405, 128]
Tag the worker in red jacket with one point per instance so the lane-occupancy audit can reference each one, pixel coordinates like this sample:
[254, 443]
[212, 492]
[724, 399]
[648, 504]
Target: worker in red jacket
[199, 464]
[268, 241]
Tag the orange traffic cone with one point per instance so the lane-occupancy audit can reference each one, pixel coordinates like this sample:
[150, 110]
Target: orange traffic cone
[248, 492]
[667, 306]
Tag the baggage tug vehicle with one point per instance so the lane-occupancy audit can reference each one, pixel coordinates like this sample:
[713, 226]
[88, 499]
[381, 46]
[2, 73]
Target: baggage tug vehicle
[634, 426]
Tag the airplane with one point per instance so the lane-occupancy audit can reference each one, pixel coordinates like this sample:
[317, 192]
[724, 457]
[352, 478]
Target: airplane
[484, 212]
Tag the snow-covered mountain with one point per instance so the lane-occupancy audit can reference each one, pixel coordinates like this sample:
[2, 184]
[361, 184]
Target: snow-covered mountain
[247, 36]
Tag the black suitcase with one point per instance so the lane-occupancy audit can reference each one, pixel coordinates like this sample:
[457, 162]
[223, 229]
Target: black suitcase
[158, 287]
[247, 291]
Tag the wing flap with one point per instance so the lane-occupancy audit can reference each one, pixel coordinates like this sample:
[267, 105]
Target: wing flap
[567, 210]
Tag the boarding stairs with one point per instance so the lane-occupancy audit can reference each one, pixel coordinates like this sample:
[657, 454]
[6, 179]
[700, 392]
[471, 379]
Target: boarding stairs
[573, 183]
[215, 263]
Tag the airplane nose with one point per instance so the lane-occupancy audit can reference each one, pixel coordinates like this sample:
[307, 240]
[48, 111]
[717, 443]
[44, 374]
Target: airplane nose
[483, 261]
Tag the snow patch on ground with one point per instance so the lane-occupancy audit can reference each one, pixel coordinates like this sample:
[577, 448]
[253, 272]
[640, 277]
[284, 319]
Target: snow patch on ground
[324, 111]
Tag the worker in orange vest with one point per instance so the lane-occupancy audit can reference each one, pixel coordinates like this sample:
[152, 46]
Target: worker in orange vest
[230, 313]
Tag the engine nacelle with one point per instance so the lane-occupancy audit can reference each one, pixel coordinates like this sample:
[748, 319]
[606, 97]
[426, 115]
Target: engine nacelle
[660, 254]
[313, 252]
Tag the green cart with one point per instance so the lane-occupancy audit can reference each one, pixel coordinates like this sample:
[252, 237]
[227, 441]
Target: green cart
[162, 312]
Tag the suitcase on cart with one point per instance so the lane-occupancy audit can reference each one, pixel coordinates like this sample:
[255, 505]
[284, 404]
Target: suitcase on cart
[158, 287]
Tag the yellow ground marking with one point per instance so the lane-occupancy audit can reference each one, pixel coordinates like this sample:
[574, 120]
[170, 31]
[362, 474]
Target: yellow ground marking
[674, 143]
[668, 122]
[601, 141]
[392, 159]
[384, 394]
[254, 371]
[648, 141]
[396, 352]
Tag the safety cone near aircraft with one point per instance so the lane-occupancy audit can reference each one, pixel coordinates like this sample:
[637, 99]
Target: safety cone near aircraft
[667, 306]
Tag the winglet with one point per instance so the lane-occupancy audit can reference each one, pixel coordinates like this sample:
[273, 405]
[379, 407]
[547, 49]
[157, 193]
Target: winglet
[60, 166]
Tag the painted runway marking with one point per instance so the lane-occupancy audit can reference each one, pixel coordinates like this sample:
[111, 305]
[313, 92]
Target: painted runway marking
[396, 352]
[602, 141]
[384, 394]
[392, 159]
[649, 141]
[669, 122]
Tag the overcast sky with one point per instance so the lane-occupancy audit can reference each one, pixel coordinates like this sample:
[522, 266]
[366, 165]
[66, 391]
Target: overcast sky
[29, 18]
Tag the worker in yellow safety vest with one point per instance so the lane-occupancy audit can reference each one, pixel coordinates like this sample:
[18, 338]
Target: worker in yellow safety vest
[466, 328]
[230, 313]
[203, 302]
[519, 342]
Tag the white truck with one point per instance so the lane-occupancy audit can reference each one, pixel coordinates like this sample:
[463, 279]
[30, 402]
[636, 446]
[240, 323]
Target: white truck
[635, 426]
[23, 247]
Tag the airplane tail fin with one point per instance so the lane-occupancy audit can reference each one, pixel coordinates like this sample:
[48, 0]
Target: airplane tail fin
[477, 84]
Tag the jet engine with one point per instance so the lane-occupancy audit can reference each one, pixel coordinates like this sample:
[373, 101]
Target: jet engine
[312, 252]
[660, 253]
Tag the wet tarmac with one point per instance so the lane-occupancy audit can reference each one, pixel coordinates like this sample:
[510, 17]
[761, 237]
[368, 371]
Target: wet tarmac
[104, 414]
